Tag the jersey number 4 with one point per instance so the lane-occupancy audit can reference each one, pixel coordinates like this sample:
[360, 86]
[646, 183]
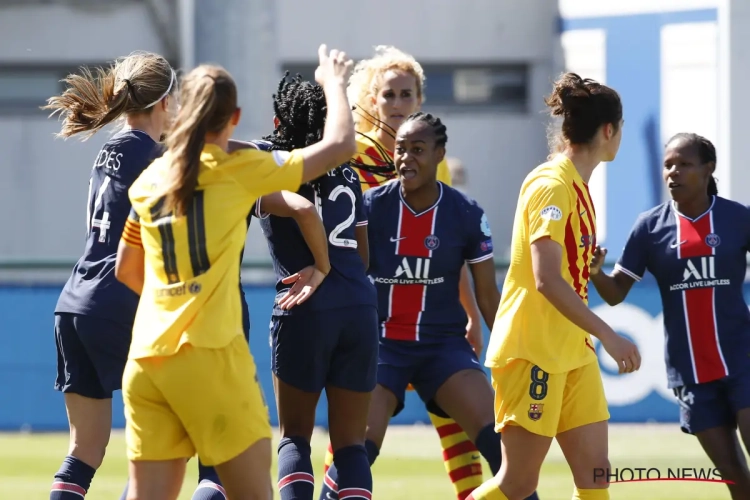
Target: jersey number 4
[102, 222]
[196, 229]
[334, 238]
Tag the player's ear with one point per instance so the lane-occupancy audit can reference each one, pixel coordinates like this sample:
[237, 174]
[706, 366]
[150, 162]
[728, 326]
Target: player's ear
[236, 116]
[276, 122]
[440, 153]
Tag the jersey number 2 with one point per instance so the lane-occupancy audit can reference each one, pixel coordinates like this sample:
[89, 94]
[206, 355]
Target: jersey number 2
[334, 238]
[196, 228]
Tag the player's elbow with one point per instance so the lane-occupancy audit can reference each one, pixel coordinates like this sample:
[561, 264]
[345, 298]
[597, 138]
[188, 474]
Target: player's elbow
[546, 283]
[304, 214]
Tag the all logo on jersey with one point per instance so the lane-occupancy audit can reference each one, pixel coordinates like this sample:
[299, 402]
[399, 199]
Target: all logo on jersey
[713, 240]
[535, 411]
[431, 242]
[699, 272]
[411, 271]
[551, 213]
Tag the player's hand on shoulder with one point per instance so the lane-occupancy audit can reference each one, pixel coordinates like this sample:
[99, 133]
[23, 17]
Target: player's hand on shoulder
[598, 260]
[333, 67]
[623, 351]
[304, 283]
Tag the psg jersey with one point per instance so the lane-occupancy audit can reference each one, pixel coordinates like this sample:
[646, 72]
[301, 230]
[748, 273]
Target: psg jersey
[416, 261]
[700, 267]
[337, 196]
[92, 288]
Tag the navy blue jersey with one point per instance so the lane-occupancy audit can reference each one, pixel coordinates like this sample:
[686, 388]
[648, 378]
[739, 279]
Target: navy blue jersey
[700, 267]
[337, 196]
[92, 288]
[416, 260]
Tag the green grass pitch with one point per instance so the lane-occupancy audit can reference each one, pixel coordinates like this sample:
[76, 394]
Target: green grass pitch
[409, 466]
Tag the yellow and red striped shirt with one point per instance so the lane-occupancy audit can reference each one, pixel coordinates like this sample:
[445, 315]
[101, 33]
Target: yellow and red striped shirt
[554, 203]
[371, 152]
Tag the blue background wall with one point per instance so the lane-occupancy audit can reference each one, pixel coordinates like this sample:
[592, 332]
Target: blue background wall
[27, 360]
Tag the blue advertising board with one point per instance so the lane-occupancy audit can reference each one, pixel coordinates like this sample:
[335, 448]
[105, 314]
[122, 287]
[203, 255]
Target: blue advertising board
[27, 360]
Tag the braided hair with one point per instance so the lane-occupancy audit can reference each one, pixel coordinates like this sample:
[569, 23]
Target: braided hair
[706, 152]
[388, 171]
[438, 128]
[300, 107]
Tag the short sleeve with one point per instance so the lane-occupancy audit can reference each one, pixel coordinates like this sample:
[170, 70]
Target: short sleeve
[131, 234]
[444, 173]
[547, 210]
[261, 172]
[479, 241]
[634, 258]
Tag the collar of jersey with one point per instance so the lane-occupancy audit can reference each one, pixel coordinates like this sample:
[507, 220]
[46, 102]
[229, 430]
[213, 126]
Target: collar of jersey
[212, 154]
[440, 197]
[710, 207]
[566, 164]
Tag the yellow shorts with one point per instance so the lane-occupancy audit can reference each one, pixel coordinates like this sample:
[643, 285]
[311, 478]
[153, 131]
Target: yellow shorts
[200, 400]
[548, 403]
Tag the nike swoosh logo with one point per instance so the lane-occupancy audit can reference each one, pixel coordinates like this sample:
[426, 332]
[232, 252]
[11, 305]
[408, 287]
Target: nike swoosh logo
[583, 213]
[394, 240]
[675, 245]
[475, 457]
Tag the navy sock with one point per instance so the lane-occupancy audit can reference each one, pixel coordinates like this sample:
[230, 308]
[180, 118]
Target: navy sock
[72, 481]
[488, 444]
[330, 482]
[124, 495]
[353, 466]
[296, 480]
[209, 484]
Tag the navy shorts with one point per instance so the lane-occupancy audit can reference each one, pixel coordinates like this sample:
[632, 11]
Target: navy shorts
[713, 404]
[336, 347]
[91, 355]
[425, 365]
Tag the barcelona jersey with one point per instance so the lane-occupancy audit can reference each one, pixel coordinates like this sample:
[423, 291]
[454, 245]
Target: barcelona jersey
[554, 203]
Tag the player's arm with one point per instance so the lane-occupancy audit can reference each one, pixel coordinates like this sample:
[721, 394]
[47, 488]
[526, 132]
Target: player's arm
[548, 209]
[288, 204]
[614, 287]
[469, 302]
[339, 141]
[478, 253]
[361, 214]
[129, 267]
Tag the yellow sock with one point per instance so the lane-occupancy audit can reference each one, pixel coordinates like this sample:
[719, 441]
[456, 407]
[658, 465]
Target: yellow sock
[597, 494]
[329, 459]
[487, 491]
[462, 461]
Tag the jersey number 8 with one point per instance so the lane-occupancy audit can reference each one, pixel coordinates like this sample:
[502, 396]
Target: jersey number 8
[334, 238]
[196, 229]
[538, 387]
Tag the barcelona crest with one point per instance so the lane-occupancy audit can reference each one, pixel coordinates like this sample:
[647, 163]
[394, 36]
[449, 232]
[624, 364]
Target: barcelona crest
[535, 411]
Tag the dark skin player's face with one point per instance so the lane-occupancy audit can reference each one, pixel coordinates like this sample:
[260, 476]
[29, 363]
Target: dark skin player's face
[684, 173]
[417, 155]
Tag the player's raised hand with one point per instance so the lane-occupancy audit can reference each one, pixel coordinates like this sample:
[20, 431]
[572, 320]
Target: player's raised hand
[598, 260]
[334, 67]
[623, 351]
[304, 283]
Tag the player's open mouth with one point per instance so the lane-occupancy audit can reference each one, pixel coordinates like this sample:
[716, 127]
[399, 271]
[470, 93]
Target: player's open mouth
[673, 185]
[408, 173]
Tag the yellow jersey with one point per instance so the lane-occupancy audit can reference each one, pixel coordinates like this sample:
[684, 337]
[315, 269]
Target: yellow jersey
[192, 262]
[554, 202]
[371, 152]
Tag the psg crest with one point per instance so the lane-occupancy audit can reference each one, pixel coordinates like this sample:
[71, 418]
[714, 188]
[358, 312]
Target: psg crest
[713, 240]
[535, 411]
[431, 242]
